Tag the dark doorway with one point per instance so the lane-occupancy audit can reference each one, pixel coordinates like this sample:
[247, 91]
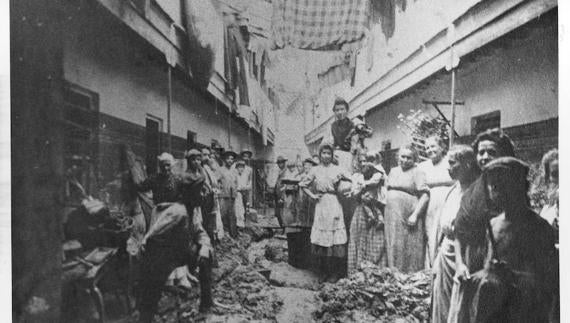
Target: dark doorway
[152, 142]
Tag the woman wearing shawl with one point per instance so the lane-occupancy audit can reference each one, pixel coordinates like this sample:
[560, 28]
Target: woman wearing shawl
[464, 170]
[407, 200]
[474, 214]
[328, 234]
[367, 241]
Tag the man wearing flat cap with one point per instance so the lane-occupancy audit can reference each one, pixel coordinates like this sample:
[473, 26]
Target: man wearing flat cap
[228, 190]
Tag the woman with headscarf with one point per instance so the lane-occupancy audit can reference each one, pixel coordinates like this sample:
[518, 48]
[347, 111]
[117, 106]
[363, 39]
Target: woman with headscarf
[517, 282]
[366, 239]
[473, 215]
[464, 170]
[407, 200]
[438, 180]
[328, 234]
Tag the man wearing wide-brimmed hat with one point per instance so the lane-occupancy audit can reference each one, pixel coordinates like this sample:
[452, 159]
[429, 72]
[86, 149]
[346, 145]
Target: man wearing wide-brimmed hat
[228, 190]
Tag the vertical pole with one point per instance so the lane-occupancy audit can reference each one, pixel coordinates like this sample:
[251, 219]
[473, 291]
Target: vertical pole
[452, 123]
[230, 128]
[169, 139]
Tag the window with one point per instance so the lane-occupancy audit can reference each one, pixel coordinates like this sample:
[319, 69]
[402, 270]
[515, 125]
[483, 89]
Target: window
[80, 142]
[190, 139]
[152, 143]
[485, 121]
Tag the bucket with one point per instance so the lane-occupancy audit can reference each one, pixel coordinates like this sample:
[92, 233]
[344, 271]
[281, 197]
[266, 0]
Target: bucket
[299, 247]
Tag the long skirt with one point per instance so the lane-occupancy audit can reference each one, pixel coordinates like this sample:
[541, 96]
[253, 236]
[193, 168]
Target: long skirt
[436, 201]
[328, 234]
[239, 210]
[366, 242]
[405, 245]
[444, 270]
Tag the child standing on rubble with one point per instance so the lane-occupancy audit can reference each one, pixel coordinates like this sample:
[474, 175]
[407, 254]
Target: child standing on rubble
[328, 234]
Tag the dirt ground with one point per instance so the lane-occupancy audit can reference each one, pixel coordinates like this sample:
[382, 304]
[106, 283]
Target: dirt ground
[254, 283]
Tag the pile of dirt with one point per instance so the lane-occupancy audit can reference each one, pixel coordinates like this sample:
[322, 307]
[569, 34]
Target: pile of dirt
[246, 291]
[239, 289]
[383, 293]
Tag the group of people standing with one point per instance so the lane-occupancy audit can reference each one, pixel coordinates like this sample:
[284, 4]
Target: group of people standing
[192, 210]
[464, 213]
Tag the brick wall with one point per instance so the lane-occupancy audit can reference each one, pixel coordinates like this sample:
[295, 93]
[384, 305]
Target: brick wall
[531, 141]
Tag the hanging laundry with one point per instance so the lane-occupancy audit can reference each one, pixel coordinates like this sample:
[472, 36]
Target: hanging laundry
[241, 54]
[384, 12]
[202, 39]
[230, 64]
[340, 72]
[318, 24]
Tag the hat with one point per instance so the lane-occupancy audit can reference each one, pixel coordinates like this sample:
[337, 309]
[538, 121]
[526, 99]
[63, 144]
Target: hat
[281, 159]
[192, 153]
[246, 152]
[509, 165]
[513, 169]
[166, 158]
[311, 161]
[240, 162]
[228, 152]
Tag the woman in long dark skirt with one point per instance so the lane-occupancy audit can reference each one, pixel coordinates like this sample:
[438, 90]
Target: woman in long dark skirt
[328, 234]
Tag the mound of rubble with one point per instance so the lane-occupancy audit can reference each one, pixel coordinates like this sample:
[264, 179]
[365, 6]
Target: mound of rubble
[376, 295]
[240, 290]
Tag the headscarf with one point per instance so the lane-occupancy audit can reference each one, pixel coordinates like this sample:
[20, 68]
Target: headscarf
[166, 158]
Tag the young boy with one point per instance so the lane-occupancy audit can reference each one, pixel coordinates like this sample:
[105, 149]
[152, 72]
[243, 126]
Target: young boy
[341, 130]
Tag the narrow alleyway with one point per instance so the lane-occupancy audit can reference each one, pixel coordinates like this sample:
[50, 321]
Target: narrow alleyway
[254, 283]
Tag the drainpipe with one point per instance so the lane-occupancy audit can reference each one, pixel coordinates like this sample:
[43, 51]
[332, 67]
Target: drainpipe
[452, 123]
[453, 62]
[168, 107]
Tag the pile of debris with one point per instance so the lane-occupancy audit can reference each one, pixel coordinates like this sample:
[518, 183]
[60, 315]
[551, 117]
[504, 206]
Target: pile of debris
[385, 294]
[246, 291]
[239, 290]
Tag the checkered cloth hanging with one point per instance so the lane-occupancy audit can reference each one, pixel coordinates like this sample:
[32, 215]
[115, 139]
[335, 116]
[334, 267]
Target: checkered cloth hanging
[318, 24]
